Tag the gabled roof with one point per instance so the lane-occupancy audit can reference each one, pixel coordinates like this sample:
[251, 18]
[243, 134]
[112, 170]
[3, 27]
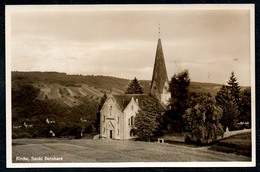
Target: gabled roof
[159, 71]
[124, 99]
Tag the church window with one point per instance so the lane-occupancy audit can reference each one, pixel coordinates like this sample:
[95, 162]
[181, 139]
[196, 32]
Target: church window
[132, 107]
[132, 120]
[118, 119]
[128, 121]
[103, 118]
[117, 131]
[104, 130]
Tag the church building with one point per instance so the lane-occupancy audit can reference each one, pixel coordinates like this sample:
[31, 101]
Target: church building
[118, 112]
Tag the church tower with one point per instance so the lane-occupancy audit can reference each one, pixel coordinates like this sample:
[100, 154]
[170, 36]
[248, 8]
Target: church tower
[160, 84]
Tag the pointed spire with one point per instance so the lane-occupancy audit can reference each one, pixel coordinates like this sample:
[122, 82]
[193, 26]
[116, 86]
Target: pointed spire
[159, 72]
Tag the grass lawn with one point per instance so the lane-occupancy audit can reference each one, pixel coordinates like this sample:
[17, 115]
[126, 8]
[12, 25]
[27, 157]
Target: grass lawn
[239, 144]
[88, 150]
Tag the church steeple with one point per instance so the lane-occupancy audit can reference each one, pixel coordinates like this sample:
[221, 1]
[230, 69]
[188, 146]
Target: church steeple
[160, 85]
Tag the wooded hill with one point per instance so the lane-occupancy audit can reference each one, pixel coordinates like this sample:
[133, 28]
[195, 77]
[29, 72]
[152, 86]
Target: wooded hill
[69, 100]
[69, 88]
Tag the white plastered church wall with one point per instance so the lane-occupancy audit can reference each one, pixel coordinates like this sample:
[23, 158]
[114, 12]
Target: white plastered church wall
[129, 115]
[111, 120]
[166, 95]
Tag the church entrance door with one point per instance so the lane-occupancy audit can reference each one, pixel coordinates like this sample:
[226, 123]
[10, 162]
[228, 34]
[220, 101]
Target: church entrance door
[111, 134]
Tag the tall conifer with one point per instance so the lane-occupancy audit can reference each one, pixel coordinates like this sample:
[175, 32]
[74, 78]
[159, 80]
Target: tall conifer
[234, 87]
[227, 102]
[146, 120]
[134, 87]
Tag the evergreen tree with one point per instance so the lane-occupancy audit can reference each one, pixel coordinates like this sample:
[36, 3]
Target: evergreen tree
[227, 102]
[203, 119]
[245, 114]
[234, 87]
[146, 120]
[179, 88]
[97, 122]
[134, 87]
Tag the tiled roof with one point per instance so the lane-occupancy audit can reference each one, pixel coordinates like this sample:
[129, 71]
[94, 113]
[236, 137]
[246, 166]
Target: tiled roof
[123, 99]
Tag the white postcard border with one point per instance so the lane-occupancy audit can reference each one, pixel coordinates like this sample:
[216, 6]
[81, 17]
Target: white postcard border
[12, 8]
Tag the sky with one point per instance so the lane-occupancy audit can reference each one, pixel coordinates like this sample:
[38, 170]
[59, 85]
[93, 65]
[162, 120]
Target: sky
[121, 42]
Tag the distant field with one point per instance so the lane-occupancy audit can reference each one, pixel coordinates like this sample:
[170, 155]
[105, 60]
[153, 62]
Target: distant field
[88, 150]
[239, 144]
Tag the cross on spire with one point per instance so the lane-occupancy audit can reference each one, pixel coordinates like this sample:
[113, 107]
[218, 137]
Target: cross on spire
[160, 78]
[159, 30]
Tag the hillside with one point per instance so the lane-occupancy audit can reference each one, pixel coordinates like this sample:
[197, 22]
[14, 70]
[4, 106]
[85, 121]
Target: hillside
[71, 101]
[69, 89]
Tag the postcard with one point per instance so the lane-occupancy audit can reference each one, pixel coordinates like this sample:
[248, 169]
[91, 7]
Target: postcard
[130, 86]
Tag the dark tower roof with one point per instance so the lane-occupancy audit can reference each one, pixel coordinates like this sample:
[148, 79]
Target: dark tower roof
[159, 72]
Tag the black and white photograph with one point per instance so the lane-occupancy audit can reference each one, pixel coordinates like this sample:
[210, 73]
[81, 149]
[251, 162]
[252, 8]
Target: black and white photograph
[130, 85]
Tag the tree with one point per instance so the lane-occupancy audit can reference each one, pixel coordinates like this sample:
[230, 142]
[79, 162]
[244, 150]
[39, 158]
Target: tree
[134, 87]
[203, 119]
[97, 122]
[179, 88]
[228, 98]
[234, 87]
[23, 102]
[26, 94]
[226, 101]
[146, 120]
[245, 113]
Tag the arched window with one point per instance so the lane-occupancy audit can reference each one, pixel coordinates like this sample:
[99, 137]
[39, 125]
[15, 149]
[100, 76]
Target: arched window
[132, 120]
